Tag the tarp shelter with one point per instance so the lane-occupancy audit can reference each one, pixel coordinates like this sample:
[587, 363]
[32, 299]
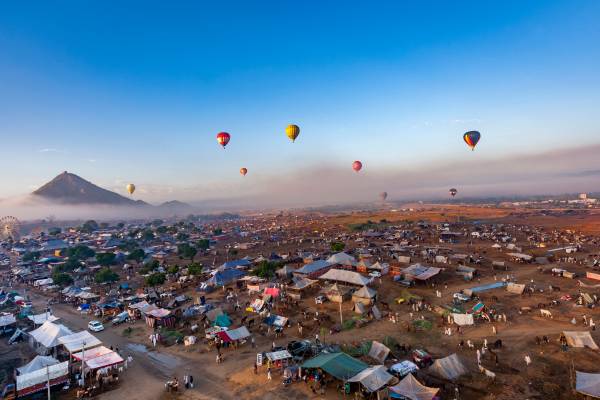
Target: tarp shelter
[285, 271]
[313, 269]
[91, 353]
[276, 320]
[214, 313]
[105, 360]
[279, 355]
[339, 365]
[38, 362]
[359, 308]
[378, 351]
[412, 389]
[364, 295]
[342, 259]
[77, 341]
[587, 384]
[223, 321]
[274, 292]
[337, 294]
[39, 319]
[234, 334]
[580, 339]
[223, 278]
[515, 288]
[36, 381]
[421, 272]
[484, 288]
[463, 319]
[373, 378]
[342, 275]
[449, 368]
[301, 283]
[48, 334]
[6, 320]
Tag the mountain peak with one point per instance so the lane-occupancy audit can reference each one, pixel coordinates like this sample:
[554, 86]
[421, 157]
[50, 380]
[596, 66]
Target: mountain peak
[72, 189]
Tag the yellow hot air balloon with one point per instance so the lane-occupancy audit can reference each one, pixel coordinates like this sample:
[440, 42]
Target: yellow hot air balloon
[131, 188]
[292, 131]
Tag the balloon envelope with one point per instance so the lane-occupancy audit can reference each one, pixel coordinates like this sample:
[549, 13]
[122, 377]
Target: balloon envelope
[131, 188]
[243, 171]
[453, 192]
[471, 138]
[292, 132]
[223, 138]
[356, 166]
[383, 195]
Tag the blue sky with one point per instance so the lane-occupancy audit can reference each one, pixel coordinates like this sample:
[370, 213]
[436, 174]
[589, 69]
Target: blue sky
[123, 92]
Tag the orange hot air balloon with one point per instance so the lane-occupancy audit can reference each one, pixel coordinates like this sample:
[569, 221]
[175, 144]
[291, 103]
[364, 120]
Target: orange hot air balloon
[356, 166]
[130, 188]
[243, 171]
[471, 138]
[223, 138]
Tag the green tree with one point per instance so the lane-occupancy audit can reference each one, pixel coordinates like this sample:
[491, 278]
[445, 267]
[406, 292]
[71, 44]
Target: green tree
[89, 226]
[186, 251]
[173, 269]
[149, 266]
[266, 269]
[136, 255]
[54, 231]
[31, 256]
[106, 259]
[161, 230]
[181, 236]
[80, 252]
[218, 231]
[148, 235]
[156, 279]
[203, 244]
[195, 269]
[62, 279]
[337, 246]
[106, 275]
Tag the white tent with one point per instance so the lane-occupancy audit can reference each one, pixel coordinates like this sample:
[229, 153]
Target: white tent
[78, 341]
[39, 319]
[463, 319]
[38, 362]
[238, 333]
[340, 275]
[30, 382]
[580, 339]
[7, 319]
[450, 367]
[373, 378]
[587, 384]
[105, 360]
[48, 334]
[342, 259]
[411, 388]
[379, 351]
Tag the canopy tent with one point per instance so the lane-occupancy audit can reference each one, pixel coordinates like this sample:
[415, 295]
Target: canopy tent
[158, 313]
[78, 341]
[276, 320]
[39, 319]
[279, 355]
[225, 277]
[37, 363]
[234, 334]
[48, 334]
[339, 365]
[515, 288]
[587, 384]
[301, 283]
[449, 368]
[463, 319]
[378, 351]
[342, 259]
[6, 320]
[580, 339]
[373, 378]
[103, 361]
[91, 353]
[421, 272]
[37, 380]
[342, 275]
[412, 389]
[364, 295]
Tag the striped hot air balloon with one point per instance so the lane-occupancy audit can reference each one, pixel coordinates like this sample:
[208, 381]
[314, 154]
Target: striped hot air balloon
[292, 132]
[471, 138]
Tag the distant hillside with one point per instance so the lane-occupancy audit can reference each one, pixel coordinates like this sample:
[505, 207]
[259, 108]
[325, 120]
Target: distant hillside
[69, 188]
[176, 207]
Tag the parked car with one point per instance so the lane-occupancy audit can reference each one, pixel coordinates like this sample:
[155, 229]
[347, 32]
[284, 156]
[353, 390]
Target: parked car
[421, 358]
[461, 297]
[95, 326]
[320, 299]
[300, 348]
[120, 318]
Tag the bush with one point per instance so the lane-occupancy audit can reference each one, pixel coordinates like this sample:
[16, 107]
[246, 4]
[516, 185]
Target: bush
[337, 247]
[266, 269]
[195, 269]
[156, 279]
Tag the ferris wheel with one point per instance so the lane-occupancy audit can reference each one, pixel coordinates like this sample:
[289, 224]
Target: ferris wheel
[10, 228]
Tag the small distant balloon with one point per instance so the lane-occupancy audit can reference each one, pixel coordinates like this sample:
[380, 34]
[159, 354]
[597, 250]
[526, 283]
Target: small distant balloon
[131, 188]
[383, 196]
[471, 138]
[356, 166]
[243, 171]
[453, 192]
[223, 138]
[292, 131]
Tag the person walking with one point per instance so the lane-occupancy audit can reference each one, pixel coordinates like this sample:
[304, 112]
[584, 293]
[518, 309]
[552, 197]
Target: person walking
[269, 377]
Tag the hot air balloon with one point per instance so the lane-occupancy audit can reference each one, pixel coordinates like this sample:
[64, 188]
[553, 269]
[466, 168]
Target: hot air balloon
[292, 132]
[471, 138]
[383, 196]
[131, 188]
[453, 192]
[356, 166]
[223, 138]
[243, 171]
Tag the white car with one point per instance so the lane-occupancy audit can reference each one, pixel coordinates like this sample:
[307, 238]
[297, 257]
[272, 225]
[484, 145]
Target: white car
[95, 326]
[461, 297]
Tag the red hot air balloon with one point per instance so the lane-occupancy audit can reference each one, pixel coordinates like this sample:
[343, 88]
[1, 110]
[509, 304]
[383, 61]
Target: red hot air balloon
[223, 138]
[356, 166]
[471, 138]
[243, 171]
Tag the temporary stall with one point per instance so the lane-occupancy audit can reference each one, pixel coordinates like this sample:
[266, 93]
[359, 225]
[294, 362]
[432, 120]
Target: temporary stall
[78, 341]
[37, 363]
[46, 336]
[88, 354]
[37, 380]
[39, 319]
[378, 351]
[449, 368]
[234, 334]
[412, 389]
[104, 361]
[420, 272]
[515, 288]
[580, 339]
[339, 365]
[463, 319]
[373, 378]
[6, 320]
[344, 276]
[337, 294]
[276, 320]
[364, 295]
